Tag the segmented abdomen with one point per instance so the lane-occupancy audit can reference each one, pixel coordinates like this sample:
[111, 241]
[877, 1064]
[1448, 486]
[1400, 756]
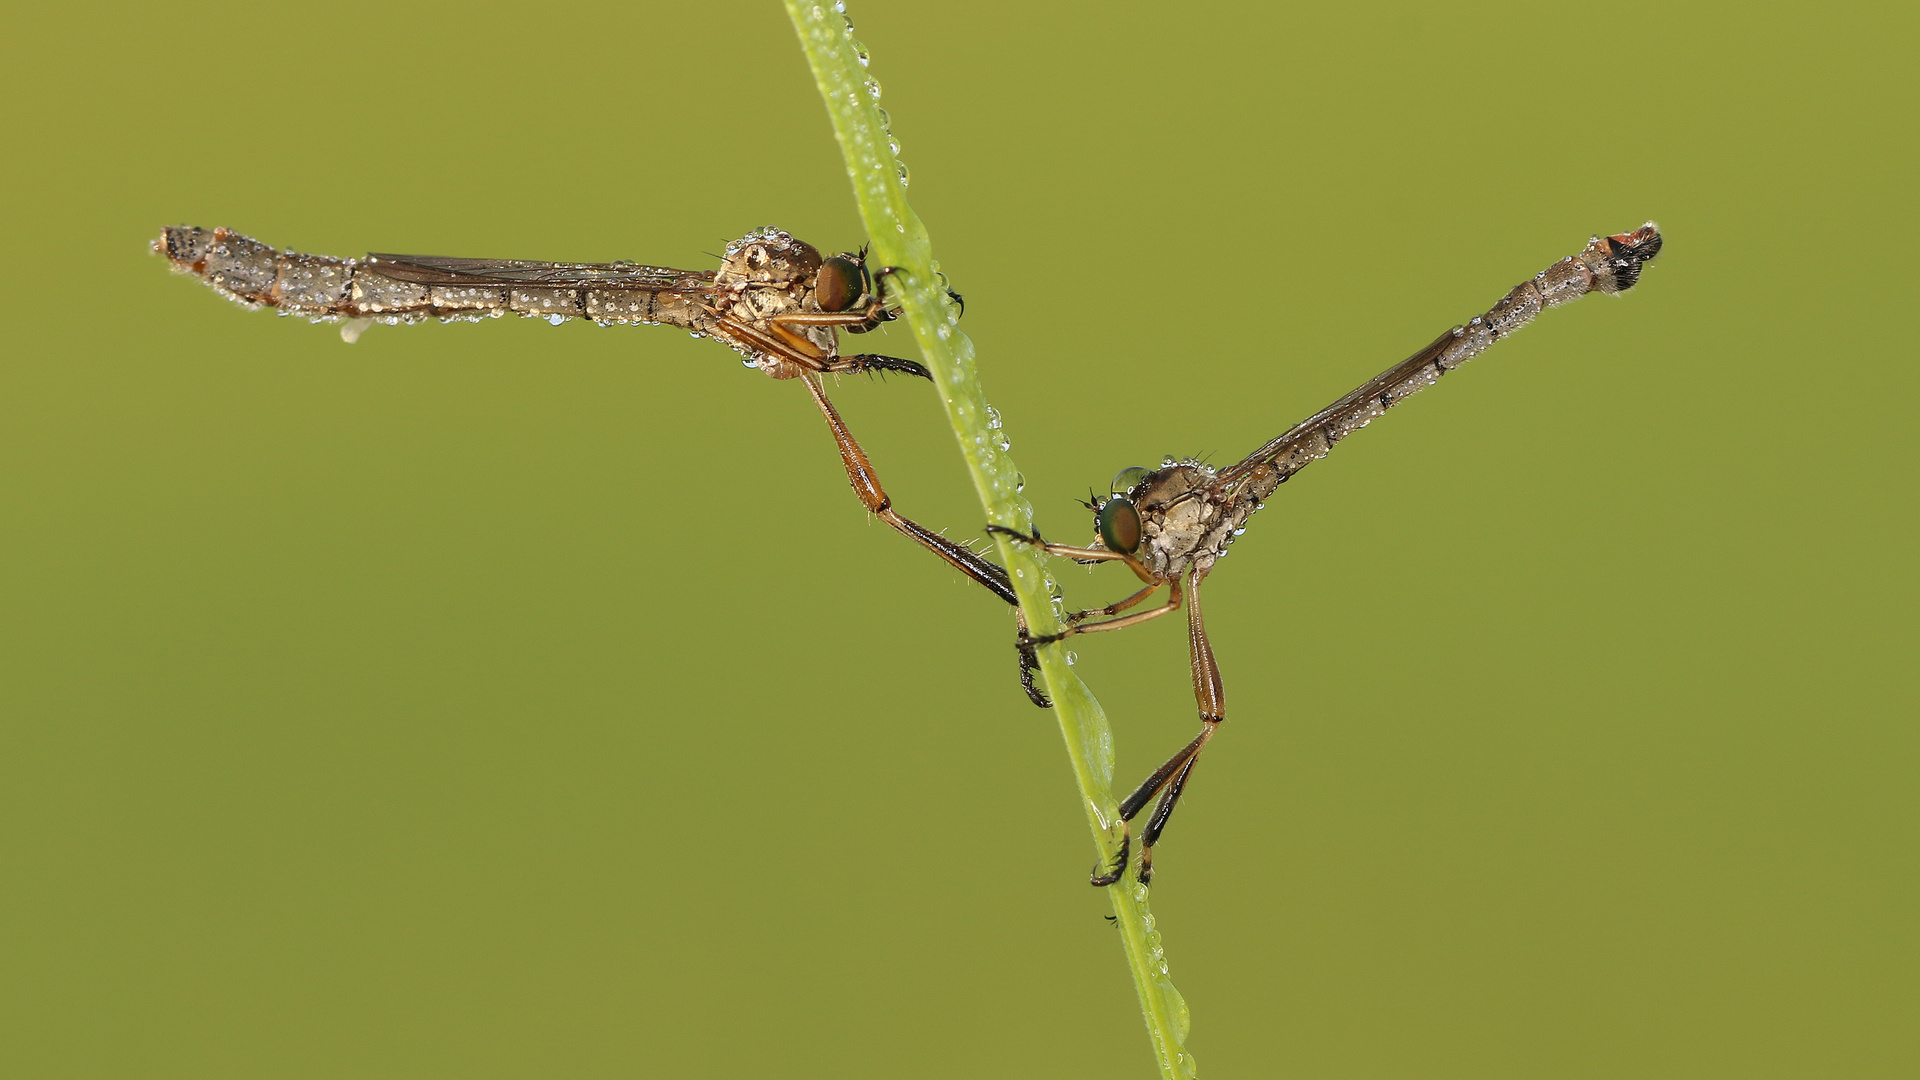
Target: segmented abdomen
[326, 289]
[1608, 264]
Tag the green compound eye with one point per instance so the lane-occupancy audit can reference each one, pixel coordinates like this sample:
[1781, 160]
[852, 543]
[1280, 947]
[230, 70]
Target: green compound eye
[838, 285]
[1125, 479]
[1120, 526]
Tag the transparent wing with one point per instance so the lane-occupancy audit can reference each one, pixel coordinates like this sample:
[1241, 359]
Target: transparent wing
[445, 270]
[1369, 399]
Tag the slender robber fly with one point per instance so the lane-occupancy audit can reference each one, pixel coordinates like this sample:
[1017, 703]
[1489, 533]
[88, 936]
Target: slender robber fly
[1170, 525]
[774, 300]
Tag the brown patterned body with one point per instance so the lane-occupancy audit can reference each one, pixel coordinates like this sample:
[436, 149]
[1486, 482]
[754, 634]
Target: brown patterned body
[775, 300]
[1190, 512]
[327, 289]
[1172, 524]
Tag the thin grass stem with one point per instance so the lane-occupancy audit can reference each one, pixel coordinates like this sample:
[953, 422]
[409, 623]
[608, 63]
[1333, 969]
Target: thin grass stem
[899, 240]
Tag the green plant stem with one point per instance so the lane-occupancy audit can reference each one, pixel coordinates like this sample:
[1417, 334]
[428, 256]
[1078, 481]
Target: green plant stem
[900, 241]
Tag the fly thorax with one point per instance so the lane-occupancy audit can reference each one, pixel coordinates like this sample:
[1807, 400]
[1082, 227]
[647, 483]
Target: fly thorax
[1226, 524]
[1173, 514]
[769, 257]
[1175, 532]
[756, 304]
[1153, 556]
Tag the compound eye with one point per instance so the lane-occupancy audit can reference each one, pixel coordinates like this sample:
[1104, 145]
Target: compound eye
[839, 284]
[1127, 479]
[1120, 526]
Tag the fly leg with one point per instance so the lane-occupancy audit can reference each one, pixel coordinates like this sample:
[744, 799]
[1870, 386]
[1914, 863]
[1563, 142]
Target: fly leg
[870, 362]
[866, 485]
[1131, 806]
[1076, 626]
[1029, 660]
[1027, 644]
[885, 272]
[1078, 617]
[1170, 780]
[1089, 556]
[782, 329]
[807, 360]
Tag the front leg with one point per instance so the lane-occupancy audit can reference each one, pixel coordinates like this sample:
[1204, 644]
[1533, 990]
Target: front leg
[1077, 624]
[880, 281]
[871, 362]
[1114, 608]
[1079, 555]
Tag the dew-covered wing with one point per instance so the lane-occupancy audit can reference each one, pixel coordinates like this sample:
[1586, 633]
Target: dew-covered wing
[1310, 438]
[1609, 264]
[446, 270]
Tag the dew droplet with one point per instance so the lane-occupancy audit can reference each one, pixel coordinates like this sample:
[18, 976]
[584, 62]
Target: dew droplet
[906, 177]
[873, 88]
[860, 53]
[993, 418]
[1019, 481]
[556, 319]
[1072, 658]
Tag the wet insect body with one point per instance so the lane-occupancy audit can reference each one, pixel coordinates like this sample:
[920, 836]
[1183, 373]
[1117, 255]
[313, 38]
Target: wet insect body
[1170, 525]
[774, 299]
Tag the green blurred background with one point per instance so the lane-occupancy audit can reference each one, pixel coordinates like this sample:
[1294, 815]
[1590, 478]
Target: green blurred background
[512, 701]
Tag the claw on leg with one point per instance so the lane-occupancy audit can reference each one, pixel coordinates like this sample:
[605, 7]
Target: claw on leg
[1030, 663]
[880, 278]
[1119, 868]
